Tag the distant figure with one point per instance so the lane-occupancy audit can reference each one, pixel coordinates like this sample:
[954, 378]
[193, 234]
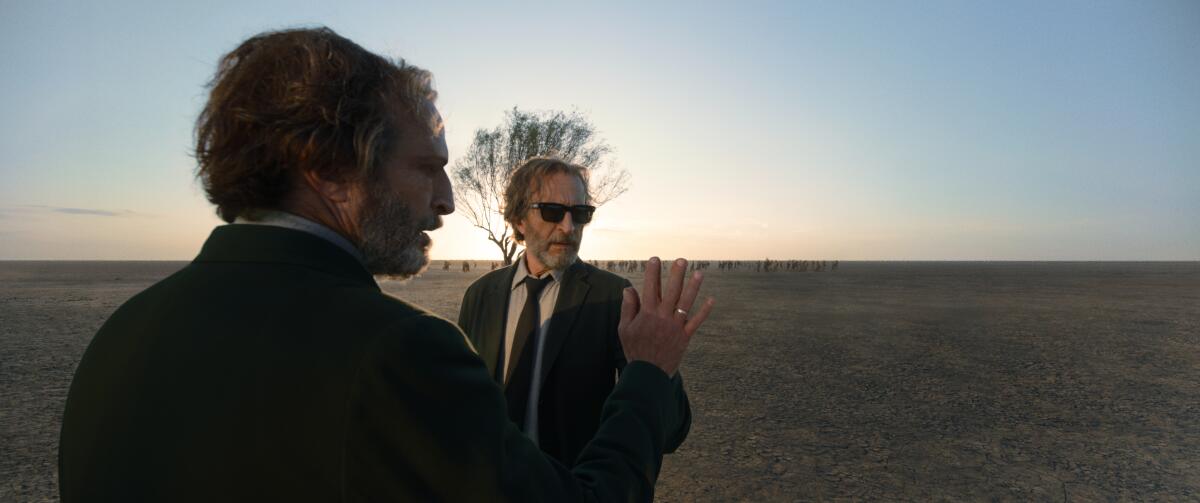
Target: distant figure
[466, 267]
[493, 266]
[273, 368]
[445, 265]
[835, 265]
[546, 326]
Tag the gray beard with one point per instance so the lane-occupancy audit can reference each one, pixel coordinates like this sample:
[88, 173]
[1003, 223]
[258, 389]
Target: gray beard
[553, 262]
[391, 240]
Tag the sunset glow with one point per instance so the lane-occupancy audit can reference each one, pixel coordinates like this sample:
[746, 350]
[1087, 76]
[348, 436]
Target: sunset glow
[926, 131]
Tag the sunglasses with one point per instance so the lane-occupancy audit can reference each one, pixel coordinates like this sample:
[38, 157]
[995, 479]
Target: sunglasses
[553, 212]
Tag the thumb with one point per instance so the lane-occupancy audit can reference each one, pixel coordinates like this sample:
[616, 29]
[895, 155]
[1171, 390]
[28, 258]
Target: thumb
[629, 306]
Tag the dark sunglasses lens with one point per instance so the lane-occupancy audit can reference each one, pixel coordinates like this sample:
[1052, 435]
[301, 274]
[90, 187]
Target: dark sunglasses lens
[553, 214]
[581, 215]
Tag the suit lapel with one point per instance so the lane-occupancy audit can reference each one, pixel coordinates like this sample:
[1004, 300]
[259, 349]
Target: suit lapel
[571, 294]
[495, 318]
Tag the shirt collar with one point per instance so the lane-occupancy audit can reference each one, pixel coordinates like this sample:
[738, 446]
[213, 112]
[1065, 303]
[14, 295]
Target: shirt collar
[292, 221]
[523, 272]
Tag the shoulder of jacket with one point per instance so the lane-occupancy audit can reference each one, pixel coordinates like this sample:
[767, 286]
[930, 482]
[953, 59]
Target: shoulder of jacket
[603, 278]
[490, 278]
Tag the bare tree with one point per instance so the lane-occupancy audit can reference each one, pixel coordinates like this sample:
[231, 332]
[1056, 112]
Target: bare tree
[482, 173]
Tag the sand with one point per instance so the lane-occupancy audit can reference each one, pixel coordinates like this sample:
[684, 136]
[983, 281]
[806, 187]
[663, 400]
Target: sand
[881, 381]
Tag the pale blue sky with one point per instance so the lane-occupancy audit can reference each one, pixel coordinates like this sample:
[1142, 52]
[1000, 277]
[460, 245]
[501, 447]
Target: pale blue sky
[840, 130]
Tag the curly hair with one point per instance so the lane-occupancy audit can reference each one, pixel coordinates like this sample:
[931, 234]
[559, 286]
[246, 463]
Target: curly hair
[526, 181]
[301, 100]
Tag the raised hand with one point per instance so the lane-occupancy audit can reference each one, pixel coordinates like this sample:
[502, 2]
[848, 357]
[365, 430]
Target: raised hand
[656, 327]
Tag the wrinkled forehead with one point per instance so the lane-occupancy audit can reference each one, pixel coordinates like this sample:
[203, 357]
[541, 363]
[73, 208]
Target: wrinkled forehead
[431, 120]
[423, 132]
[559, 187]
[424, 120]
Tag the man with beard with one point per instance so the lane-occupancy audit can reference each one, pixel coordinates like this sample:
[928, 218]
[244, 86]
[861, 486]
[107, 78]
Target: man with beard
[272, 368]
[546, 326]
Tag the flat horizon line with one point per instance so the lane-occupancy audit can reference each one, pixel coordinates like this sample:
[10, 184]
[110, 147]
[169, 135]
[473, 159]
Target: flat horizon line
[460, 260]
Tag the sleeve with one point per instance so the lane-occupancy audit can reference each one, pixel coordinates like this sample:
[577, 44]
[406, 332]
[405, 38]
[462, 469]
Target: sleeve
[685, 407]
[618, 352]
[685, 412]
[427, 423]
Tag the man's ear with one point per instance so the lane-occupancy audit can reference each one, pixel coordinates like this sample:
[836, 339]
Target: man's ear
[520, 226]
[331, 190]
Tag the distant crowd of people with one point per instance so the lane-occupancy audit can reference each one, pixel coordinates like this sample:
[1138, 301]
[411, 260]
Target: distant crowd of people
[466, 265]
[769, 265]
[765, 265]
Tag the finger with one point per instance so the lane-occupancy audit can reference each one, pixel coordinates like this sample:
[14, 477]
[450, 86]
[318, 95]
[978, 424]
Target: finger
[695, 321]
[629, 306]
[674, 285]
[651, 285]
[690, 291]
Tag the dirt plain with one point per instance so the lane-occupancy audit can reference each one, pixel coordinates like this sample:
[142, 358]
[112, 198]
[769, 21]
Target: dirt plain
[878, 382]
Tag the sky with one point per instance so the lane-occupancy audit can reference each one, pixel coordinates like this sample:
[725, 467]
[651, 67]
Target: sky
[848, 130]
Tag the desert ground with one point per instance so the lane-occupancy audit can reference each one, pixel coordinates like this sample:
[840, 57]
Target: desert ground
[880, 381]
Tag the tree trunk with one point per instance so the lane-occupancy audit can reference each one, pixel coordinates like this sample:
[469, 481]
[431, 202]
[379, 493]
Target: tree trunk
[503, 251]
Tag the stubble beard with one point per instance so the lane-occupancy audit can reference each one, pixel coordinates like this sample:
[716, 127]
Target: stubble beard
[560, 261]
[392, 245]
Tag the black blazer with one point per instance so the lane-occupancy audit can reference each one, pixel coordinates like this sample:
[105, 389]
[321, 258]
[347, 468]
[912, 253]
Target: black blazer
[272, 368]
[582, 355]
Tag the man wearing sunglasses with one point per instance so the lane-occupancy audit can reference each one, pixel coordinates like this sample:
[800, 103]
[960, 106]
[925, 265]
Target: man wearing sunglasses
[546, 326]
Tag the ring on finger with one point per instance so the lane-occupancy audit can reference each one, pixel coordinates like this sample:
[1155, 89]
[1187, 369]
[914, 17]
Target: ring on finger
[681, 311]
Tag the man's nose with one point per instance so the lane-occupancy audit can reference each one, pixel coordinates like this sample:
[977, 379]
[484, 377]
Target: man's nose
[443, 195]
[566, 225]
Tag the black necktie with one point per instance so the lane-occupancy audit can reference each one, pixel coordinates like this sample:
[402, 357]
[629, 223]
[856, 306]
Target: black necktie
[525, 341]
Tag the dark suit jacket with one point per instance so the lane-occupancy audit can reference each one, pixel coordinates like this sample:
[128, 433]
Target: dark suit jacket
[272, 368]
[582, 351]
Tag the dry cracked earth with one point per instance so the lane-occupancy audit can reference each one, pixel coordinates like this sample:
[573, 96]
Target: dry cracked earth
[881, 381]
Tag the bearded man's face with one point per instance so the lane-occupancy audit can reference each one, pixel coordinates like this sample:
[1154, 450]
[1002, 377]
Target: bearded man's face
[554, 245]
[406, 198]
